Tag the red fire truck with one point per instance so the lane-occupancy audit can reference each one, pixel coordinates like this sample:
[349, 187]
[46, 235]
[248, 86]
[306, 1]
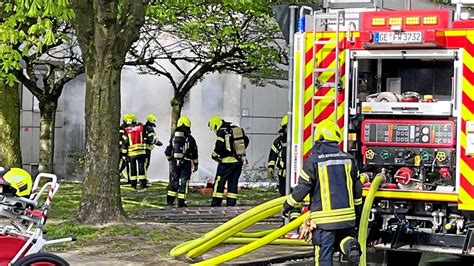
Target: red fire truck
[401, 85]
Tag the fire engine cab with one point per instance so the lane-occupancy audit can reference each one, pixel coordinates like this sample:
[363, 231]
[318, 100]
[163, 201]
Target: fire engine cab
[401, 86]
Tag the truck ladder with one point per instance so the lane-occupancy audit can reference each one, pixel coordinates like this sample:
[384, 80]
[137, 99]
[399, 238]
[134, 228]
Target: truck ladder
[322, 21]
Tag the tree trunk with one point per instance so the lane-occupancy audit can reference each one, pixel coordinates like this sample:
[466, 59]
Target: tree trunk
[100, 199]
[176, 106]
[48, 109]
[105, 36]
[10, 153]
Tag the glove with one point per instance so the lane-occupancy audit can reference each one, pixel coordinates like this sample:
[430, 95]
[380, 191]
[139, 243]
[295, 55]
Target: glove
[195, 168]
[306, 230]
[157, 142]
[270, 172]
[286, 210]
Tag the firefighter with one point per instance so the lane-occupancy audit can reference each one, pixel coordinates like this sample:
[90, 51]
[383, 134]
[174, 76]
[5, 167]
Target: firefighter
[124, 168]
[151, 138]
[134, 146]
[330, 177]
[182, 151]
[230, 157]
[277, 156]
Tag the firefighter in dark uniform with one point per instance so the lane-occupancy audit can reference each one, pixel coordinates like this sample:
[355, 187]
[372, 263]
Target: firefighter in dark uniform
[151, 139]
[124, 169]
[183, 153]
[229, 163]
[277, 157]
[134, 145]
[331, 179]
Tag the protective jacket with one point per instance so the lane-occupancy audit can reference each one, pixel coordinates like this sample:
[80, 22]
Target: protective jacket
[182, 146]
[133, 140]
[277, 155]
[224, 151]
[150, 135]
[330, 176]
[122, 128]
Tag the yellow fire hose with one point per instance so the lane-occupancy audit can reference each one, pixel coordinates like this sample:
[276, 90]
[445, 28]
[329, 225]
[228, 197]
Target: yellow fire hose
[247, 240]
[254, 234]
[224, 235]
[364, 218]
[255, 244]
[189, 245]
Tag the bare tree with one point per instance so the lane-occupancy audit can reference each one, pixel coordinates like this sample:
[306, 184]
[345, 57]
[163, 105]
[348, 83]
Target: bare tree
[211, 37]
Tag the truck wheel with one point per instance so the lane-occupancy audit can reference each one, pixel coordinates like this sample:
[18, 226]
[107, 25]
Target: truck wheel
[41, 259]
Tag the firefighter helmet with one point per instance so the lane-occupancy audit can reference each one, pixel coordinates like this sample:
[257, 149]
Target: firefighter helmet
[184, 120]
[126, 117]
[284, 121]
[328, 130]
[129, 118]
[151, 118]
[16, 181]
[215, 123]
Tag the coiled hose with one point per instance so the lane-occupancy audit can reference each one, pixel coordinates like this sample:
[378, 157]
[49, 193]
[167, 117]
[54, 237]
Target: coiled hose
[255, 244]
[364, 218]
[228, 226]
[224, 235]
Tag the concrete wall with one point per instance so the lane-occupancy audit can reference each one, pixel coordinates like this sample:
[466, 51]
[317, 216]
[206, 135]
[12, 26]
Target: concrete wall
[262, 109]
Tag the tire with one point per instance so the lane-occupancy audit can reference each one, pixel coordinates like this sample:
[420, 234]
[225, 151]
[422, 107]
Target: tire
[41, 259]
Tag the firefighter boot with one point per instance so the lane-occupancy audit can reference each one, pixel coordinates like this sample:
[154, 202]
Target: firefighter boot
[133, 184]
[216, 202]
[170, 200]
[143, 183]
[351, 248]
[182, 203]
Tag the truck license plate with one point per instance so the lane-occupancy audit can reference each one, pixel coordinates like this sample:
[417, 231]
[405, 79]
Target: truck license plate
[398, 37]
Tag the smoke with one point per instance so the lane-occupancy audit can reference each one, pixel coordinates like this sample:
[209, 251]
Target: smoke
[144, 94]
[216, 94]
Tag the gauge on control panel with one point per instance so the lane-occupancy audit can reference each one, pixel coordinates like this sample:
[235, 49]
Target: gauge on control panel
[425, 138]
[425, 130]
[426, 133]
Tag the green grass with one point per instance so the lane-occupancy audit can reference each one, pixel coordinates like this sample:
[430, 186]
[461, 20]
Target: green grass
[148, 240]
[66, 202]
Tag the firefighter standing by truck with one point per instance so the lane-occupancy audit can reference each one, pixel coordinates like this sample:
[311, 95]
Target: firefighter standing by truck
[182, 151]
[229, 152]
[330, 177]
[134, 144]
[151, 138]
[277, 157]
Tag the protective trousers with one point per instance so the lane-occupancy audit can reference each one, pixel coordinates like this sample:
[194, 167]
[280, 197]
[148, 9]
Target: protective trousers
[226, 173]
[326, 241]
[179, 185]
[137, 171]
[148, 157]
[282, 184]
[124, 170]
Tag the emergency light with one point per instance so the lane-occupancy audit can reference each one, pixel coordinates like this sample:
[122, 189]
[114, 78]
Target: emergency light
[412, 21]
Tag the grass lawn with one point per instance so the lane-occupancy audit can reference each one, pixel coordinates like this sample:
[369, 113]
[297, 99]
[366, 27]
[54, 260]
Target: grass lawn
[135, 239]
